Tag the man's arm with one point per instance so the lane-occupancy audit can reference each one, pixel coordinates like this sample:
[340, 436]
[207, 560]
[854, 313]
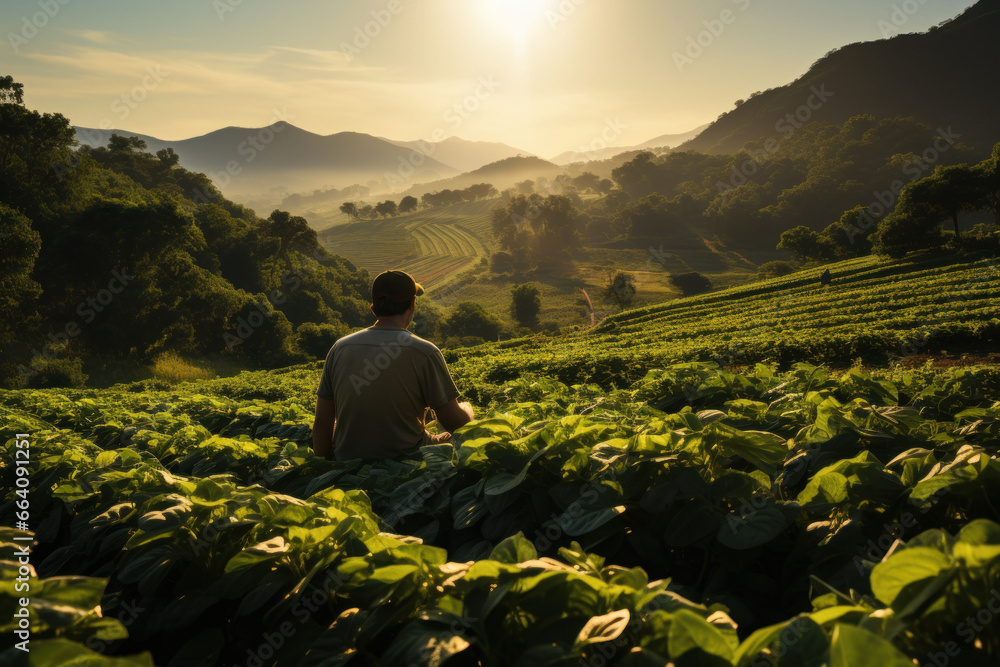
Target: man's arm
[454, 415]
[326, 417]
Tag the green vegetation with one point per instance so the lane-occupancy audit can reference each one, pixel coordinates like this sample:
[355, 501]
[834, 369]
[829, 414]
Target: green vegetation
[113, 255]
[700, 516]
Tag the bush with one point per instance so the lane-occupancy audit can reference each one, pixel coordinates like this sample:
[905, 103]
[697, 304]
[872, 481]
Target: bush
[526, 304]
[315, 340]
[776, 269]
[501, 262]
[171, 367]
[471, 319]
[57, 373]
[691, 283]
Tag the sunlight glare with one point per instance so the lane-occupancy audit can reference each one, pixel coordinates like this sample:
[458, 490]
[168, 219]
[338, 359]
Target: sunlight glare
[515, 16]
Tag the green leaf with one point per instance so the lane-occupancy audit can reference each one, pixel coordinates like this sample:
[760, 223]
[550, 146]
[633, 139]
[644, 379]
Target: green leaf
[513, 550]
[904, 570]
[690, 632]
[602, 629]
[758, 527]
[851, 646]
[579, 520]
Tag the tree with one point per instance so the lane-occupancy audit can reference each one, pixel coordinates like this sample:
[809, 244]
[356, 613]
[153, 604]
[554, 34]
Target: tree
[386, 209]
[620, 289]
[367, 212]
[526, 304]
[11, 92]
[350, 209]
[691, 283]
[471, 319]
[652, 216]
[168, 158]
[408, 204]
[19, 248]
[805, 244]
[35, 157]
[120, 144]
[293, 234]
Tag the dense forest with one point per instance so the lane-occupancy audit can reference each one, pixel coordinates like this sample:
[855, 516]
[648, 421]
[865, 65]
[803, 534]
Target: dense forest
[115, 253]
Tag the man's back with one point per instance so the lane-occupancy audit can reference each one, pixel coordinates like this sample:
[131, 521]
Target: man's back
[380, 381]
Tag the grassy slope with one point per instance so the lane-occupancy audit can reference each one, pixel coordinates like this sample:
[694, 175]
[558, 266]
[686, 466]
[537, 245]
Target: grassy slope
[872, 310]
[442, 248]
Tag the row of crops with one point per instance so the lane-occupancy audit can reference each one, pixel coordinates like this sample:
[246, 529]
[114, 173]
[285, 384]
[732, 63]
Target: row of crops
[701, 516]
[871, 311]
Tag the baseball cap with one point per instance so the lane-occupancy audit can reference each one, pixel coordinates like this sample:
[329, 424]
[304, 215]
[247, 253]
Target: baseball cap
[396, 286]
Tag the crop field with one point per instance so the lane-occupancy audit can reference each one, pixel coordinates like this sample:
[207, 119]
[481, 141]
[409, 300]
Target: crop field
[432, 245]
[872, 310]
[649, 509]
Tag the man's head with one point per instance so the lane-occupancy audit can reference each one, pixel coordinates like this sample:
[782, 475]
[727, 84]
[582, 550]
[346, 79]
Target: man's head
[393, 293]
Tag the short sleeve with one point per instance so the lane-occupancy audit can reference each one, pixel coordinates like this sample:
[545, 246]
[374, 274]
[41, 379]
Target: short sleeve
[325, 389]
[439, 387]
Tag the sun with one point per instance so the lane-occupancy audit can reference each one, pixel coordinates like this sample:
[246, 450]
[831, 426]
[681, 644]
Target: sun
[515, 16]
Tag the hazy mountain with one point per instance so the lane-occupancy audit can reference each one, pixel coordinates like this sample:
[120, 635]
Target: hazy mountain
[253, 160]
[662, 141]
[945, 77]
[502, 174]
[464, 155]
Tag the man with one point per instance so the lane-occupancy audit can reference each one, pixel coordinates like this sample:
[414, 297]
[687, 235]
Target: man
[378, 383]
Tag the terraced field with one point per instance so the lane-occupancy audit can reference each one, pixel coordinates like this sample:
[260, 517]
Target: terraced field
[433, 245]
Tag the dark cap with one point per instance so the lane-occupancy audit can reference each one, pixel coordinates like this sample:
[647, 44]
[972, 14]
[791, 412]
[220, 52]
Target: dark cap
[397, 286]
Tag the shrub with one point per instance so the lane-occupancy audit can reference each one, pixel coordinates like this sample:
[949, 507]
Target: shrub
[171, 367]
[775, 269]
[691, 283]
[57, 373]
[315, 340]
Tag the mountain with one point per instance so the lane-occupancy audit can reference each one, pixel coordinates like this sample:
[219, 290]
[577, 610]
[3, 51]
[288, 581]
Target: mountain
[662, 141]
[501, 174]
[945, 78]
[253, 160]
[464, 155]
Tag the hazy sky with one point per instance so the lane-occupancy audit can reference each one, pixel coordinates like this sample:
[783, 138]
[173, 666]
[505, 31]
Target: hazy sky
[543, 75]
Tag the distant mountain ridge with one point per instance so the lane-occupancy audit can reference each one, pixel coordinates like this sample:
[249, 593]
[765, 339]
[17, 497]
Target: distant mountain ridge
[662, 141]
[244, 160]
[945, 78]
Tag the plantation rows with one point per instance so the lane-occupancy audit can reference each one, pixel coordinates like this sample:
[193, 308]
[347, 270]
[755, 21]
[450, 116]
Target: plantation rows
[701, 517]
[871, 311]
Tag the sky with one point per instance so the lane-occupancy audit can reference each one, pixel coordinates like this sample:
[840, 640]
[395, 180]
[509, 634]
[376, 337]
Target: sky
[545, 76]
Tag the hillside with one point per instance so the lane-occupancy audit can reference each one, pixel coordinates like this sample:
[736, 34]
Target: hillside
[872, 310]
[501, 174]
[284, 157]
[462, 154]
[433, 245]
[662, 141]
[941, 77]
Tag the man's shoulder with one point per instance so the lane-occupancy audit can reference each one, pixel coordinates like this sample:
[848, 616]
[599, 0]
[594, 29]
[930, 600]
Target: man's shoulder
[389, 338]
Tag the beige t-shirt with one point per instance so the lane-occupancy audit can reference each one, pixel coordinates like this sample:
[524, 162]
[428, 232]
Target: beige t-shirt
[380, 382]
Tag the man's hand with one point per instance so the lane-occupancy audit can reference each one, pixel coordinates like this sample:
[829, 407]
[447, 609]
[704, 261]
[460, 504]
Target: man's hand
[454, 415]
[439, 438]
